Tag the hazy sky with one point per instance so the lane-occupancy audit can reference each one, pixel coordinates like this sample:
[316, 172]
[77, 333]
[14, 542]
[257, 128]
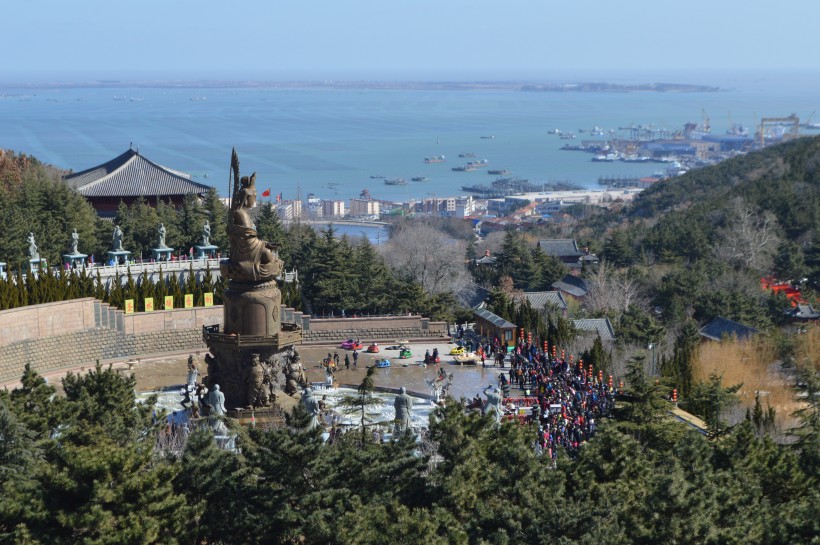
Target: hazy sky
[403, 39]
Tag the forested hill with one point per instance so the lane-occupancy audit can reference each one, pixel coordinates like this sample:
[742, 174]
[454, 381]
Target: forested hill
[783, 179]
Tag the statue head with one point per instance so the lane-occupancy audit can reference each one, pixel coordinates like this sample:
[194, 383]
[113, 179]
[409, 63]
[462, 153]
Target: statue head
[254, 359]
[402, 390]
[247, 191]
[216, 387]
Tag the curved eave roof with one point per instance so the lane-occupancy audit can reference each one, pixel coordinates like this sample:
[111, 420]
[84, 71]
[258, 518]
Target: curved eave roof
[132, 175]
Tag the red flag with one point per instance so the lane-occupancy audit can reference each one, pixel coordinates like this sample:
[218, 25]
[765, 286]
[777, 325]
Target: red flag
[279, 197]
[266, 193]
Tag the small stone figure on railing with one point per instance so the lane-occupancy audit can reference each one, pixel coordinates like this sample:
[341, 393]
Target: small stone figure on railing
[75, 239]
[161, 236]
[206, 234]
[32, 248]
[116, 240]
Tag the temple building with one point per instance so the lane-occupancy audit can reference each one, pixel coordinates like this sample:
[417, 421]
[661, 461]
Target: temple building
[127, 178]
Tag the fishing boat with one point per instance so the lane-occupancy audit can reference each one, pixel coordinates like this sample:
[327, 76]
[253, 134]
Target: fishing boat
[435, 159]
[467, 168]
[420, 179]
[395, 181]
[498, 172]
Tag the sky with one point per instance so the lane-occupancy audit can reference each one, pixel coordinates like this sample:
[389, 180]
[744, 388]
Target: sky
[404, 40]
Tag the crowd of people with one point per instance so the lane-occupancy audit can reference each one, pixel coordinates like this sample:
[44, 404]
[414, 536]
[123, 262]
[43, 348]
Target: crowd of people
[563, 397]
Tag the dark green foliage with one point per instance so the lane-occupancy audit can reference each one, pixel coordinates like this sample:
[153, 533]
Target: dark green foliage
[83, 469]
[710, 400]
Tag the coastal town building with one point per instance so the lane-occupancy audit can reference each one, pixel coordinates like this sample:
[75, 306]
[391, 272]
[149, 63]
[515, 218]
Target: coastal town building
[333, 209]
[130, 177]
[364, 208]
[289, 210]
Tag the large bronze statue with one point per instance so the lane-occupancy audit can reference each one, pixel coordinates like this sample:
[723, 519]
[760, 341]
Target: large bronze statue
[252, 259]
[244, 355]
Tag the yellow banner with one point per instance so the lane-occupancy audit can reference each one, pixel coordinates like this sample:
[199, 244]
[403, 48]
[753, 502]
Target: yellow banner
[209, 299]
[149, 304]
[169, 302]
[129, 306]
[189, 300]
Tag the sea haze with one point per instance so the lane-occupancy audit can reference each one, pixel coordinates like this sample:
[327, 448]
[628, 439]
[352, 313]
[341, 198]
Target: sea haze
[331, 141]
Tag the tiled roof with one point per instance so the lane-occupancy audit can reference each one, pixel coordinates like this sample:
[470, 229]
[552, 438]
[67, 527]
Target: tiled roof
[599, 325]
[560, 247]
[545, 299]
[571, 284]
[472, 296]
[722, 327]
[132, 175]
[497, 321]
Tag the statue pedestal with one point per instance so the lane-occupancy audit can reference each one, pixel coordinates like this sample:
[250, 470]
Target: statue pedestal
[3, 270]
[252, 327]
[119, 257]
[162, 254]
[75, 261]
[203, 252]
[34, 265]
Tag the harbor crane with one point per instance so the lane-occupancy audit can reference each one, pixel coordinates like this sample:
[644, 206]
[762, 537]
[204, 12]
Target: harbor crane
[790, 126]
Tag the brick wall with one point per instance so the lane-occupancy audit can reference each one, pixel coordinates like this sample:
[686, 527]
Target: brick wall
[48, 320]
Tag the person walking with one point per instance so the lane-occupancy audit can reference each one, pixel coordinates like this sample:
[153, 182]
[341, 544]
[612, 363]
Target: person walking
[347, 362]
[355, 359]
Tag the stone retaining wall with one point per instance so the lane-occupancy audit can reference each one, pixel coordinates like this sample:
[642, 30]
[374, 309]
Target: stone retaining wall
[85, 347]
[73, 333]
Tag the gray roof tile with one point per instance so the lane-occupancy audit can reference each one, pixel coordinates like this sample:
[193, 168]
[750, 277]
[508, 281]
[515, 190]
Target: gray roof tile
[132, 175]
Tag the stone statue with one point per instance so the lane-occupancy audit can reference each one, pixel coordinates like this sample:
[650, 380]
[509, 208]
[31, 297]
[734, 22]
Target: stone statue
[32, 248]
[116, 240]
[252, 259]
[161, 236]
[312, 407]
[216, 400]
[403, 404]
[193, 372]
[493, 402]
[206, 234]
[257, 392]
[75, 240]
[294, 373]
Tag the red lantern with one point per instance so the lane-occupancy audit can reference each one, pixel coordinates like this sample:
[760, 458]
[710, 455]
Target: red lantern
[545, 347]
[675, 395]
[600, 376]
[609, 383]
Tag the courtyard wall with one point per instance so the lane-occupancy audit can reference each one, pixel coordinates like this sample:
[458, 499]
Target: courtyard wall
[70, 334]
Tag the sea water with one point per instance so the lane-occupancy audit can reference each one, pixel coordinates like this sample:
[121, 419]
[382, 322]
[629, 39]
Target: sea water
[336, 142]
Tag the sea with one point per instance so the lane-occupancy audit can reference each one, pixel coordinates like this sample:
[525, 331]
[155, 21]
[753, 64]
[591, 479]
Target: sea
[337, 142]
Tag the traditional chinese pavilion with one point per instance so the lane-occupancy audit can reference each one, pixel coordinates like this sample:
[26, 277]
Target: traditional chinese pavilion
[129, 177]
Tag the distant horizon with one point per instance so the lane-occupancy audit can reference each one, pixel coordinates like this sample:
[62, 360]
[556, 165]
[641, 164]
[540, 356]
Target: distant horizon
[706, 77]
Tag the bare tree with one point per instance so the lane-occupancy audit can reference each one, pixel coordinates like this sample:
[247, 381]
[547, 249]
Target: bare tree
[429, 257]
[611, 290]
[749, 237]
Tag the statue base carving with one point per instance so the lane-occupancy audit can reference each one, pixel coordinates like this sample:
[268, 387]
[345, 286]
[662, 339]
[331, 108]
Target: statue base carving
[246, 359]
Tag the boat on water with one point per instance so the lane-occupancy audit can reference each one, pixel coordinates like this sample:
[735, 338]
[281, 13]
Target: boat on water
[490, 137]
[467, 168]
[498, 172]
[419, 179]
[468, 154]
[376, 177]
[395, 181]
[435, 159]
[478, 164]
[608, 158]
